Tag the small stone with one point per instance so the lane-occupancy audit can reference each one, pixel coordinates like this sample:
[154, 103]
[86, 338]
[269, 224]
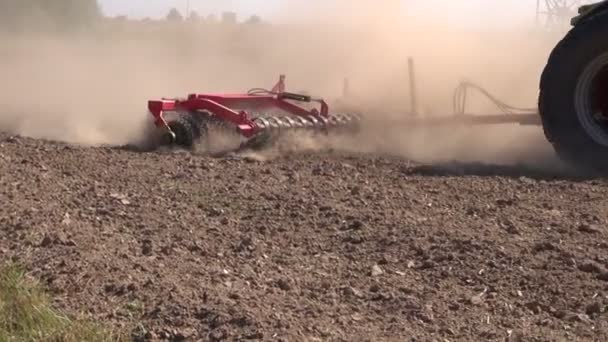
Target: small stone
[356, 225]
[427, 264]
[505, 202]
[251, 160]
[582, 318]
[146, 247]
[454, 306]
[426, 317]
[544, 246]
[216, 212]
[150, 335]
[516, 336]
[555, 212]
[355, 239]
[527, 180]
[376, 271]
[118, 196]
[447, 331]
[12, 140]
[351, 291]
[357, 317]
[186, 333]
[218, 334]
[534, 307]
[510, 227]
[66, 219]
[477, 300]
[559, 314]
[385, 260]
[46, 241]
[284, 284]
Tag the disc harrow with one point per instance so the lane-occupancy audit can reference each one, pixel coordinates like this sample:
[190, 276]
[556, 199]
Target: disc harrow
[257, 116]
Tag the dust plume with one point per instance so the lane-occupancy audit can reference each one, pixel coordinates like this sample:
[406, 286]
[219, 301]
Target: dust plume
[505, 59]
[93, 87]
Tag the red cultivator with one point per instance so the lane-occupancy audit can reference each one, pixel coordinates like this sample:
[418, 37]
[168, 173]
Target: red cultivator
[261, 114]
[188, 120]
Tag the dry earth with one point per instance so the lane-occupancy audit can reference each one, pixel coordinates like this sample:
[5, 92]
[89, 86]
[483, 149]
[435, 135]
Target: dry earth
[308, 247]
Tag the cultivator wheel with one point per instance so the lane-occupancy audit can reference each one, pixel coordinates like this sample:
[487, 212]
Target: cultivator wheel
[186, 129]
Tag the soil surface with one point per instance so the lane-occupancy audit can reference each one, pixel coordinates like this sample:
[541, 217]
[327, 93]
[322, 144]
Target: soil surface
[308, 247]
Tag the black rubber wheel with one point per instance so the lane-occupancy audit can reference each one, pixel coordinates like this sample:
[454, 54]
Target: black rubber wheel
[573, 100]
[188, 129]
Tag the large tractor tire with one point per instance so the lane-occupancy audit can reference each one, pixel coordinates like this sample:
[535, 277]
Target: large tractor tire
[573, 100]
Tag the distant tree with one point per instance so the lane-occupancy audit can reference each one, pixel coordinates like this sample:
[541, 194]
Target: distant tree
[254, 20]
[194, 16]
[212, 18]
[60, 13]
[174, 15]
[229, 17]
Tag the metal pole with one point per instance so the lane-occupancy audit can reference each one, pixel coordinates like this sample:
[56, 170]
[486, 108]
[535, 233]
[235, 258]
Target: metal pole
[345, 88]
[413, 99]
[187, 9]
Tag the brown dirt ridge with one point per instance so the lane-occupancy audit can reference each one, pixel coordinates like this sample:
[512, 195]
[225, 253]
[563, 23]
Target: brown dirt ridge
[330, 246]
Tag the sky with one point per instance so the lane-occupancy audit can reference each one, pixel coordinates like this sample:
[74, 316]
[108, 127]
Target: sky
[482, 11]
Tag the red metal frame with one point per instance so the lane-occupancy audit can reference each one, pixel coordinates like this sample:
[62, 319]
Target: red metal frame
[222, 106]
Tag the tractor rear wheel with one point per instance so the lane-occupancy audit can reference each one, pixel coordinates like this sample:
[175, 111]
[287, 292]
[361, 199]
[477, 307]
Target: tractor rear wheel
[573, 100]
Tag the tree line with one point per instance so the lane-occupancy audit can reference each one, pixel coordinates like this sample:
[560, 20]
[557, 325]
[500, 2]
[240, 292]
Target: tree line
[19, 14]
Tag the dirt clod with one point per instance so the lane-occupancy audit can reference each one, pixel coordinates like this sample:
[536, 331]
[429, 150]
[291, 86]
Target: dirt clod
[594, 309]
[376, 271]
[590, 228]
[591, 267]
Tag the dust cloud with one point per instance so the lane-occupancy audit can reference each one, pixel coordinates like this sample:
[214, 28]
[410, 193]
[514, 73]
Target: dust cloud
[93, 87]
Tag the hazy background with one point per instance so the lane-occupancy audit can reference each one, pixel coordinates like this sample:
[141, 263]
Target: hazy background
[464, 12]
